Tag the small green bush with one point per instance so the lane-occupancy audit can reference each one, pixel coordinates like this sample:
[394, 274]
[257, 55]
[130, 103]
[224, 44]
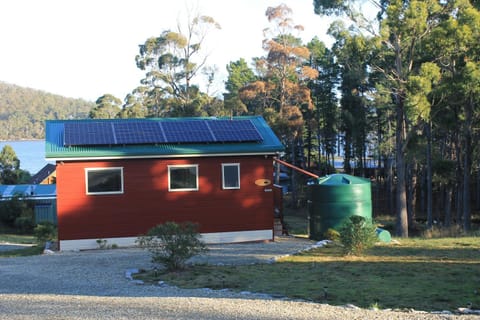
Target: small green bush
[332, 234]
[45, 231]
[103, 244]
[172, 244]
[357, 235]
[24, 223]
[14, 208]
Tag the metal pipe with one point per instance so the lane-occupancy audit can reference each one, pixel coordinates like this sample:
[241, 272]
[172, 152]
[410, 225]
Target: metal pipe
[296, 168]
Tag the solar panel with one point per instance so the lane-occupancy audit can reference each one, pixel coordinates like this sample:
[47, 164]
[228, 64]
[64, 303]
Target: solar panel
[138, 132]
[88, 133]
[132, 132]
[187, 131]
[234, 131]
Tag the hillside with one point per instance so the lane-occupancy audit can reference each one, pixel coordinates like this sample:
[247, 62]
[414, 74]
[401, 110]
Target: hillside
[23, 111]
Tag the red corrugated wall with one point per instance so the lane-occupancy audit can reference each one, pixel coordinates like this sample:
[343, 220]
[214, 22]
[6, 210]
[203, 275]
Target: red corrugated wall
[147, 202]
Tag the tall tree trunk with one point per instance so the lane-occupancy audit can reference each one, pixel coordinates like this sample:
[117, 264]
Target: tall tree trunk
[448, 205]
[400, 140]
[309, 145]
[401, 190]
[347, 152]
[390, 186]
[422, 191]
[477, 198]
[459, 185]
[429, 176]
[411, 188]
[467, 166]
[293, 181]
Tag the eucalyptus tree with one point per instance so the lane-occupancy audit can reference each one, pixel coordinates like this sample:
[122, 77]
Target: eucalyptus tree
[106, 107]
[9, 166]
[239, 75]
[401, 67]
[171, 62]
[469, 19]
[455, 47]
[323, 89]
[134, 106]
[408, 77]
[281, 93]
[353, 51]
[471, 89]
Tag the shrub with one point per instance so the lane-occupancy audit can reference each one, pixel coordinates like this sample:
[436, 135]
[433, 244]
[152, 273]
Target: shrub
[24, 223]
[332, 234]
[357, 235]
[103, 244]
[435, 231]
[45, 231]
[14, 208]
[172, 244]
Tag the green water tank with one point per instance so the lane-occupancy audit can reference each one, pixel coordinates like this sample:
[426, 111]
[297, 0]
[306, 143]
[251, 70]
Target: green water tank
[334, 198]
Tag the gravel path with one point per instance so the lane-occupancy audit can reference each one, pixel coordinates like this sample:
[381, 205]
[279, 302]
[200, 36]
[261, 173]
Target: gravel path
[92, 285]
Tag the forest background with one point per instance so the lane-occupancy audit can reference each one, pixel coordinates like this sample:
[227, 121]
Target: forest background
[396, 97]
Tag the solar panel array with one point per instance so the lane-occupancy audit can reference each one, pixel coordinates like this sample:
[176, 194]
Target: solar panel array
[78, 133]
[88, 133]
[138, 132]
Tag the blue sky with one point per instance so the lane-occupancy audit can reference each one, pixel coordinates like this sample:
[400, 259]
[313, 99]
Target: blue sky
[86, 48]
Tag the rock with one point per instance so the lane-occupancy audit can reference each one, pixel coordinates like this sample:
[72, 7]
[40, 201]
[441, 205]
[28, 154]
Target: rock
[51, 245]
[446, 312]
[468, 311]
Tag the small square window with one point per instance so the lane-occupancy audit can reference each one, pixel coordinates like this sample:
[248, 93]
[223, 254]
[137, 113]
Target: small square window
[231, 175]
[183, 178]
[104, 180]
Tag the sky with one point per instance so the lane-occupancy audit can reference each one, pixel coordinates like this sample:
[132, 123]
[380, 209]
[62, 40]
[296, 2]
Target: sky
[87, 48]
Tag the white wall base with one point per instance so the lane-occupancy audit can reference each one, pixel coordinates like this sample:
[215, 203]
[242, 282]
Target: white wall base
[209, 238]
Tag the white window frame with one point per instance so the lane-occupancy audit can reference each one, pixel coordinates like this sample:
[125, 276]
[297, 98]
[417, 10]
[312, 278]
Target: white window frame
[223, 175]
[176, 166]
[88, 170]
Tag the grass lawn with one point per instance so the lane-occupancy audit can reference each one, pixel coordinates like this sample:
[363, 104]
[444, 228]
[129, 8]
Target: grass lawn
[16, 238]
[433, 274]
[27, 251]
[19, 239]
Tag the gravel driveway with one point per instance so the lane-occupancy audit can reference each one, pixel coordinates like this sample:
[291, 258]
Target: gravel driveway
[92, 285]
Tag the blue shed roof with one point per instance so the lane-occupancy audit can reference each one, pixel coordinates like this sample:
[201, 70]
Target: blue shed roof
[31, 191]
[57, 149]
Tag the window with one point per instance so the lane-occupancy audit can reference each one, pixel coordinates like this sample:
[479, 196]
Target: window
[183, 178]
[231, 175]
[104, 180]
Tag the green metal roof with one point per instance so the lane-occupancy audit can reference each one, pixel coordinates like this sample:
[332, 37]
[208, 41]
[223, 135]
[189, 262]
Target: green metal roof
[56, 150]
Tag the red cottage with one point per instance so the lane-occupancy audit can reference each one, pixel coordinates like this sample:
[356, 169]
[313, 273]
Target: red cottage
[118, 178]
